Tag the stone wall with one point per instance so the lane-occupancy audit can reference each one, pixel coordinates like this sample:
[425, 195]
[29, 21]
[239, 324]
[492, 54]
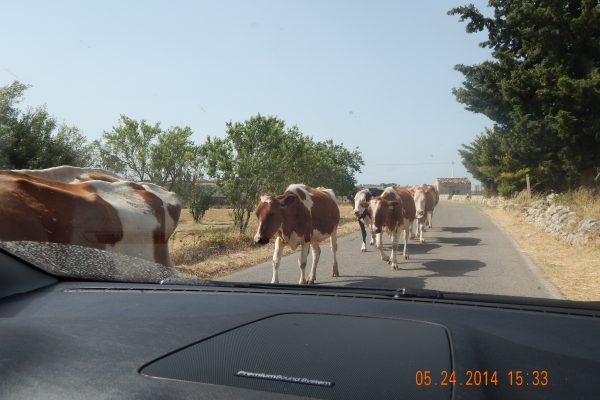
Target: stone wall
[556, 219]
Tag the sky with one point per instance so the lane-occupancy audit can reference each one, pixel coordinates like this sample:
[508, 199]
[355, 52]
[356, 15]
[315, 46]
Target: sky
[376, 75]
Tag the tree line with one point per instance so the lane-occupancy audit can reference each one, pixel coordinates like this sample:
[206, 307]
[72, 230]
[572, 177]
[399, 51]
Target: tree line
[541, 90]
[259, 155]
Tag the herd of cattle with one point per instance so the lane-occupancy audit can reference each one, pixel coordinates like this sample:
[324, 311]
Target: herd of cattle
[95, 208]
[304, 216]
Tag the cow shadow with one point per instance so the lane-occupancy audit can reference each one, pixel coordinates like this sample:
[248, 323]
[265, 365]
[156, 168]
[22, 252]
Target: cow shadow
[421, 248]
[452, 268]
[460, 241]
[459, 229]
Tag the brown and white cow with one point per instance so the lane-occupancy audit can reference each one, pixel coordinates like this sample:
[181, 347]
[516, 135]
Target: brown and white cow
[88, 207]
[393, 212]
[362, 213]
[424, 203]
[302, 216]
[435, 198]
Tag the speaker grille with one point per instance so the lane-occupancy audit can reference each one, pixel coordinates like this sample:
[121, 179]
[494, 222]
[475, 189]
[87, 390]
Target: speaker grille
[317, 355]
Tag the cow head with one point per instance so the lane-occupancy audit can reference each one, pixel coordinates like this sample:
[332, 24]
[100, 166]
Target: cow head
[361, 200]
[420, 201]
[386, 213]
[269, 212]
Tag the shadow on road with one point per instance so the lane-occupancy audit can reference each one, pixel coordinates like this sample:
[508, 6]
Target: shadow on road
[460, 241]
[413, 248]
[421, 248]
[459, 229]
[452, 268]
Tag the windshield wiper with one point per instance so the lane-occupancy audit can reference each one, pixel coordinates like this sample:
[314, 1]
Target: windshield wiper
[397, 293]
[394, 293]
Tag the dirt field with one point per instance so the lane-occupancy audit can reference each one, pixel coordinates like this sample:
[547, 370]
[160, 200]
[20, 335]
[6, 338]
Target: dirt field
[575, 271]
[212, 248]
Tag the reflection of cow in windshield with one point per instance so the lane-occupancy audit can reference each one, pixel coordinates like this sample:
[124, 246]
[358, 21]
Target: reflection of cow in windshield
[88, 207]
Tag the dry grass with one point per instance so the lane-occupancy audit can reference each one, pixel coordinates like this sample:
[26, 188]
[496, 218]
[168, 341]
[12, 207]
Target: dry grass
[585, 202]
[575, 271]
[212, 248]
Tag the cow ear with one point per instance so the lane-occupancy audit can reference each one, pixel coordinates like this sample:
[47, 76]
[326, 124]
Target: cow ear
[287, 200]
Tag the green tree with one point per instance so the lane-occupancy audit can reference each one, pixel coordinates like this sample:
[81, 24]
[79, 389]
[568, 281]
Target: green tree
[542, 89]
[126, 149]
[262, 155]
[144, 152]
[247, 161]
[32, 139]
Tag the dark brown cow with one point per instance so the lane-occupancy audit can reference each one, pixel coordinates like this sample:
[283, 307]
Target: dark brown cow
[105, 213]
[393, 212]
[302, 216]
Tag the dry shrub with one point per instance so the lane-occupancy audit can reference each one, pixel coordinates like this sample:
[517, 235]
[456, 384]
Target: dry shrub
[200, 247]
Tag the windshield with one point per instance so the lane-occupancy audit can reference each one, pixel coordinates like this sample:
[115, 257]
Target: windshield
[420, 145]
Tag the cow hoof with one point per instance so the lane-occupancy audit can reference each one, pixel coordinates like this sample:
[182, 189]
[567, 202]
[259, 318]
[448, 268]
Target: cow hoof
[406, 256]
[363, 250]
[385, 258]
[422, 240]
[394, 267]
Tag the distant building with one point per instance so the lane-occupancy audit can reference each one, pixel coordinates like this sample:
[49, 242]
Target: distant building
[453, 185]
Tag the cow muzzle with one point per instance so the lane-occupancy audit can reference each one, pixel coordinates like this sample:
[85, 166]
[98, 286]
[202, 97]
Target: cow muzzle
[261, 240]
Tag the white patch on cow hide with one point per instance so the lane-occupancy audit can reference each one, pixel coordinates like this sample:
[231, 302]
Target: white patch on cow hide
[137, 219]
[298, 187]
[167, 198]
[293, 240]
[317, 236]
[374, 207]
[65, 173]
[329, 192]
[266, 199]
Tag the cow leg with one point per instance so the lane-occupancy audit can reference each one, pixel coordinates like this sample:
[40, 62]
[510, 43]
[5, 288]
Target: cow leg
[429, 218]
[421, 223]
[316, 253]
[405, 251]
[363, 232]
[373, 239]
[393, 263]
[379, 242]
[333, 241]
[302, 261]
[277, 259]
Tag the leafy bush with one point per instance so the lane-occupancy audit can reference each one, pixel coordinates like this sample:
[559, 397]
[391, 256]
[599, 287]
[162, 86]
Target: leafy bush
[200, 202]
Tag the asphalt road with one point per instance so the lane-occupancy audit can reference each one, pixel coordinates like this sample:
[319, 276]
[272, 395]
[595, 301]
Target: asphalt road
[465, 251]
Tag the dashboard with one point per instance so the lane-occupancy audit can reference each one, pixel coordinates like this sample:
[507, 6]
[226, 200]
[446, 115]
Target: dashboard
[73, 339]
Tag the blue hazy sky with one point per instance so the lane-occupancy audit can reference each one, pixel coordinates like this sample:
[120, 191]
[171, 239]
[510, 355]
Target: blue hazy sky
[376, 75]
